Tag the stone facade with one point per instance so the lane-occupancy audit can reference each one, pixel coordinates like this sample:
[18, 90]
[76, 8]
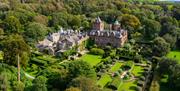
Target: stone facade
[61, 41]
[115, 36]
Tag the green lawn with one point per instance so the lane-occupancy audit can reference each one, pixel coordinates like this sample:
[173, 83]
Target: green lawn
[175, 55]
[91, 59]
[104, 80]
[137, 70]
[115, 67]
[128, 86]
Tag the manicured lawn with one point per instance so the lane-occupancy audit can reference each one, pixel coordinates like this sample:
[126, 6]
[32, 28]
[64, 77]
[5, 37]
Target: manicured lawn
[104, 80]
[91, 59]
[174, 55]
[115, 67]
[128, 86]
[137, 70]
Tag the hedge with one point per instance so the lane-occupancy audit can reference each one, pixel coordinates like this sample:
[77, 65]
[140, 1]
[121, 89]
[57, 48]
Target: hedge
[116, 83]
[97, 51]
[38, 61]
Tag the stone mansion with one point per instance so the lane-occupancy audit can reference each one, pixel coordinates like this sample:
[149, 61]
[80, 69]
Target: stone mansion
[114, 36]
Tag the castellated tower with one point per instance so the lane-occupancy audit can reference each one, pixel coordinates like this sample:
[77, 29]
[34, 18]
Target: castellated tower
[98, 24]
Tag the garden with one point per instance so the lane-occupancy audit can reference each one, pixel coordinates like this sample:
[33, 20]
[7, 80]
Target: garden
[121, 75]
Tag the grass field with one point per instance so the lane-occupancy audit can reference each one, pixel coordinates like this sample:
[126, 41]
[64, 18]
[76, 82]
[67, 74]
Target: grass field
[115, 67]
[93, 60]
[137, 70]
[104, 80]
[174, 55]
[128, 86]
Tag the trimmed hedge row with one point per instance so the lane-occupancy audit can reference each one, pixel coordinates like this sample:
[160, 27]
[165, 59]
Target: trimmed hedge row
[116, 83]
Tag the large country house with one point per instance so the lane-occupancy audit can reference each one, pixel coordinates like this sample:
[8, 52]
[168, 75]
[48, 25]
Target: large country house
[115, 36]
[61, 41]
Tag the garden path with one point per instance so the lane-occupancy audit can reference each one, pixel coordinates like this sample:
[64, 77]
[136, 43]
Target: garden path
[29, 76]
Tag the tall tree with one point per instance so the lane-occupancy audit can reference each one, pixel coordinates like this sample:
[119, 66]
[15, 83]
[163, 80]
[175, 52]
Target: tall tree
[130, 21]
[152, 28]
[12, 25]
[84, 83]
[35, 32]
[15, 51]
[160, 47]
[81, 68]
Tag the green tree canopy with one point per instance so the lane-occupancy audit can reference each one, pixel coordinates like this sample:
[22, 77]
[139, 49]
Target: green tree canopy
[35, 32]
[39, 84]
[152, 28]
[84, 83]
[81, 68]
[12, 25]
[160, 47]
[130, 21]
[14, 45]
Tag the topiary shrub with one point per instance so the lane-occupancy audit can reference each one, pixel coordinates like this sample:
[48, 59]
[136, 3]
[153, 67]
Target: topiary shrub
[97, 51]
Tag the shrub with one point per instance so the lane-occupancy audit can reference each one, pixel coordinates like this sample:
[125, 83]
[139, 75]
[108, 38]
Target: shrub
[140, 83]
[120, 71]
[97, 51]
[116, 73]
[116, 83]
[142, 78]
[138, 59]
[138, 88]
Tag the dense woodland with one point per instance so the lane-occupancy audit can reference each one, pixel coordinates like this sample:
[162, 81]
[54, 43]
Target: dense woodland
[153, 27]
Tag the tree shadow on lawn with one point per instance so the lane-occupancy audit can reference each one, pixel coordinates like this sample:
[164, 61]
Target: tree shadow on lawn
[132, 88]
[140, 73]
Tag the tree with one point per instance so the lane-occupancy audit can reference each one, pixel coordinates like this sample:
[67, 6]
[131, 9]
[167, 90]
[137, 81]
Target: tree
[15, 52]
[41, 19]
[59, 19]
[73, 89]
[169, 24]
[12, 25]
[4, 84]
[154, 86]
[170, 39]
[160, 47]
[81, 68]
[18, 86]
[13, 45]
[174, 78]
[75, 22]
[39, 84]
[130, 21]
[35, 32]
[152, 28]
[84, 83]
[165, 66]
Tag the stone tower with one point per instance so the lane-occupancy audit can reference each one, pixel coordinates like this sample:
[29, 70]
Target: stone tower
[98, 24]
[116, 26]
